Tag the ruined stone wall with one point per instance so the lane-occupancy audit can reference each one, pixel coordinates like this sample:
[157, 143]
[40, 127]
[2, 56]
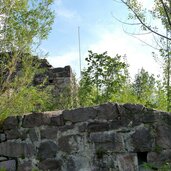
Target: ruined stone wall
[109, 137]
[58, 79]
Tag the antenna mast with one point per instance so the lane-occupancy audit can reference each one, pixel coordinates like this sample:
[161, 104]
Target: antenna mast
[79, 49]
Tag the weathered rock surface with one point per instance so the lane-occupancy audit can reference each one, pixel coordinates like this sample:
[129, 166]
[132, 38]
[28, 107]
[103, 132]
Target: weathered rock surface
[109, 137]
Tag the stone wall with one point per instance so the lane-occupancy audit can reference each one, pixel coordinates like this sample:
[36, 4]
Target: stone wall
[58, 79]
[109, 137]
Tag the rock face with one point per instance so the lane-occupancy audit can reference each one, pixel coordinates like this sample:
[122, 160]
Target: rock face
[109, 137]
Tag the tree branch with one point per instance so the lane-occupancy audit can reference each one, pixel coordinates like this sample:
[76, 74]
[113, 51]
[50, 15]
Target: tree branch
[166, 12]
[144, 24]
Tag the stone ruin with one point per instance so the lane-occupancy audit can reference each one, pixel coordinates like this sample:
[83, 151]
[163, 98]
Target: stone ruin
[109, 137]
[57, 79]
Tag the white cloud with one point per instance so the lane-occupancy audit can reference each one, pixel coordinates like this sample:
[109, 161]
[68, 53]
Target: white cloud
[63, 12]
[58, 2]
[138, 55]
[69, 58]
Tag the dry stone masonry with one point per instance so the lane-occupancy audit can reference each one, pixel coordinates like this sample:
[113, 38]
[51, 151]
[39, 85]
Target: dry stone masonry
[109, 137]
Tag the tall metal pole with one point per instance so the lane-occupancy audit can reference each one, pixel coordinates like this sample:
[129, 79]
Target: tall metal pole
[79, 50]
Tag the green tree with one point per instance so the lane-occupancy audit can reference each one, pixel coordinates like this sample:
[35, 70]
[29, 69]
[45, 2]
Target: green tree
[144, 87]
[23, 25]
[161, 14]
[105, 77]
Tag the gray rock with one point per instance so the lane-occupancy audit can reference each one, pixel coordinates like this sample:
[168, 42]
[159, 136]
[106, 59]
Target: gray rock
[79, 115]
[13, 134]
[134, 107]
[35, 119]
[16, 149]
[163, 137]
[159, 158]
[49, 133]
[11, 122]
[25, 166]
[97, 126]
[142, 140]
[2, 137]
[57, 120]
[51, 165]
[108, 141]
[107, 111]
[33, 135]
[3, 158]
[127, 162]
[9, 165]
[63, 144]
[47, 150]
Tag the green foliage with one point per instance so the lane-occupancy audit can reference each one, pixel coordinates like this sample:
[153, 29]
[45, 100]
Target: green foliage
[161, 14]
[144, 87]
[3, 169]
[24, 24]
[104, 77]
[163, 167]
[107, 79]
[18, 96]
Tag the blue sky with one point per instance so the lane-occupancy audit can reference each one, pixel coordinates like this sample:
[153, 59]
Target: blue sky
[99, 32]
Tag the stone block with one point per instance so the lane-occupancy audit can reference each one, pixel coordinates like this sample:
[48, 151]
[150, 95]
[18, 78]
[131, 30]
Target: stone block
[35, 120]
[142, 140]
[64, 144]
[57, 120]
[82, 127]
[127, 162]
[70, 143]
[3, 158]
[166, 118]
[79, 115]
[108, 140]
[33, 134]
[159, 158]
[12, 122]
[9, 165]
[66, 128]
[134, 108]
[16, 149]
[47, 150]
[49, 133]
[116, 124]
[108, 111]
[13, 134]
[25, 166]
[97, 126]
[50, 164]
[163, 137]
[2, 137]
[150, 117]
